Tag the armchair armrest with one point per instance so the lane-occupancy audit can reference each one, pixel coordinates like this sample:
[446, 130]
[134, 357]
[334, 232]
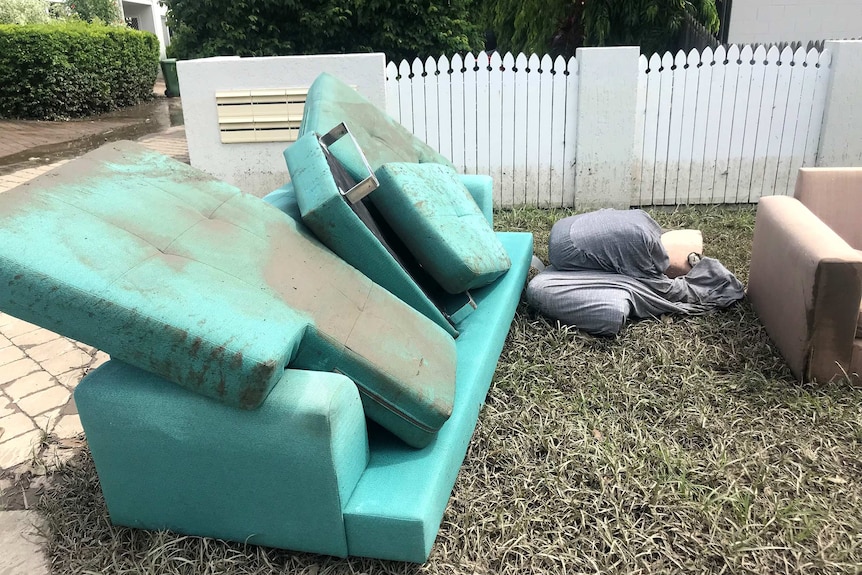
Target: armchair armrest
[805, 286]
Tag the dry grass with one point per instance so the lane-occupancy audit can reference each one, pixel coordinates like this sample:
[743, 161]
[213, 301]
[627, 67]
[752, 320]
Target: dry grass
[681, 446]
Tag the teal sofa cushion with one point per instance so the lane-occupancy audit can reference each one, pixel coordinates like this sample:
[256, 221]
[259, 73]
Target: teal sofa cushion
[330, 102]
[333, 222]
[173, 272]
[436, 218]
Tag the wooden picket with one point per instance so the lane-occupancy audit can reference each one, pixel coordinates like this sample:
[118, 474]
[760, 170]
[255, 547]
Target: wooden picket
[511, 117]
[719, 126]
[727, 126]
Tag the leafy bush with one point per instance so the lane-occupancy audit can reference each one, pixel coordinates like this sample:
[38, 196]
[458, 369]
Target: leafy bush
[23, 11]
[280, 27]
[74, 69]
[95, 10]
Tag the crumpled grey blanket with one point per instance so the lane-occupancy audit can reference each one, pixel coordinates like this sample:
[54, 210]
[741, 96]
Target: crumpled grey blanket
[608, 266]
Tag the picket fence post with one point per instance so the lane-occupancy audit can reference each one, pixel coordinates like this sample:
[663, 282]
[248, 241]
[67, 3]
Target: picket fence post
[605, 174]
[840, 141]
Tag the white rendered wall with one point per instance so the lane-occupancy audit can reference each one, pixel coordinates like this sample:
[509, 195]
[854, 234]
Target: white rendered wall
[766, 21]
[259, 168]
[607, 107]
[840, 141]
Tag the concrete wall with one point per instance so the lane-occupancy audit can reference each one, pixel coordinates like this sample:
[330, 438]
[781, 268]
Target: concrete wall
[259, 168]
[840, 141]
[766, 21]
[607, 103]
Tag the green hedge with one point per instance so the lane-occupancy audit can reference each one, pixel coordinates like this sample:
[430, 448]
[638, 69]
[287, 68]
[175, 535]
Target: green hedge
[74, 69]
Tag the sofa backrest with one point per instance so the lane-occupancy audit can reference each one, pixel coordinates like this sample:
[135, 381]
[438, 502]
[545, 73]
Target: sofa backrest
[835, 196]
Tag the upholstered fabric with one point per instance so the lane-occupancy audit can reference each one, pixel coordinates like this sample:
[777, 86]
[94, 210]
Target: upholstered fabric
[330, 102]
[834, 195]
[295, 473]
[436, 218]
[805, 286]
[164, 268]
[327, 214]
[279, 475]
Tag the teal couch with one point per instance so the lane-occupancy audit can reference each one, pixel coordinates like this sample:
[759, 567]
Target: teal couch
[233, 408]
[304, 471]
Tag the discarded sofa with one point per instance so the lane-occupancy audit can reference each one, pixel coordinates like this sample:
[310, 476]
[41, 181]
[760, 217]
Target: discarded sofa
[806, 273]
[261, 389]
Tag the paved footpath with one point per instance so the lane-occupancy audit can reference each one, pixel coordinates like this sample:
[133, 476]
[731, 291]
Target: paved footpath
[39, 369]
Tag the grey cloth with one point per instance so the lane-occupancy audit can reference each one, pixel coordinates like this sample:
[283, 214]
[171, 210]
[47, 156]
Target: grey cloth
[626, 242]
[614, 269]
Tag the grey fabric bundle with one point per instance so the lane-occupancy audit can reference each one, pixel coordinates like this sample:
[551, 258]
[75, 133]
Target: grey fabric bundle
[607, 266]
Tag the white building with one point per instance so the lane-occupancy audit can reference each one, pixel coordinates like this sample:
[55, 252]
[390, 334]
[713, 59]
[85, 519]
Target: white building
[766, 21]
[149, 16]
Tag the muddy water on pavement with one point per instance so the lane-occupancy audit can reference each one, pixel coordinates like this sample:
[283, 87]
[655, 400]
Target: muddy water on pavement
[143, 119]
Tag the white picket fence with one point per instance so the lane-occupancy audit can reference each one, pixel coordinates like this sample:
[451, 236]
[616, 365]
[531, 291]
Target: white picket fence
[512, 118]
[728, 126]
[715, 127]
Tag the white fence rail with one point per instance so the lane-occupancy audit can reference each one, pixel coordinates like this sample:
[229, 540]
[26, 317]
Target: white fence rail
[512, 118]
[728, 126]
[714, 127]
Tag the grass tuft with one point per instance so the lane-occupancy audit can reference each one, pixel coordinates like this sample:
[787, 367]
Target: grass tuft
[681, 446]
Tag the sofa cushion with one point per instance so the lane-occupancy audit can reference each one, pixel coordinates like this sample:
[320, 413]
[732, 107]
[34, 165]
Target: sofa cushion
[436, 218]
[173, 272]
[330, 102]
[679, 244]
[331, 219]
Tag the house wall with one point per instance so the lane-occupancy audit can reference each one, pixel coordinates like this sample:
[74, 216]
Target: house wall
[150, 19]
[259, 167]
[766, 21]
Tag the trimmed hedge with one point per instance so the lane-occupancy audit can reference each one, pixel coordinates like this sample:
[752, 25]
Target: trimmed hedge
[74, 69]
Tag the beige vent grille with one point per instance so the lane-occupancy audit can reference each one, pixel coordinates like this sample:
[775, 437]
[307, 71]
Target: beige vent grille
[260, 115]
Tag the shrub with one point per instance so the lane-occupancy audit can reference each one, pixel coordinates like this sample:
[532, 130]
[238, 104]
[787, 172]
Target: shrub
[73, 69]
[23, 11]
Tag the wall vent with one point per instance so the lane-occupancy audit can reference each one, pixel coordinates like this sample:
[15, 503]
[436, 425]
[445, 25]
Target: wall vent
[260, 115]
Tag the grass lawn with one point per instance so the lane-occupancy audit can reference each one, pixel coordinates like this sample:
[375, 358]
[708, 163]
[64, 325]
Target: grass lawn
[681, 446]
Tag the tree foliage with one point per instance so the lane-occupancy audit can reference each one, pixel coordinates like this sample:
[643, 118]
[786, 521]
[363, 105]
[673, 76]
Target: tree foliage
[23, 11]
[104, 11]
[281, 27]
[560, 26]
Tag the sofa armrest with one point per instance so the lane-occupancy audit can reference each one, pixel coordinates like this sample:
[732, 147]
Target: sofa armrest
[805, 286]
[279, 475]
[482, 190]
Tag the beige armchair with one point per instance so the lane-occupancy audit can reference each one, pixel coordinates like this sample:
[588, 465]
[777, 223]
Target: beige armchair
[805, 273]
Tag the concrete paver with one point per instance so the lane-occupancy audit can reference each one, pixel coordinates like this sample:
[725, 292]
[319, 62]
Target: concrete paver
[10, 354]
[29, 384]
[16, 424]
[22, 541]
[45, 400]
[12, 371]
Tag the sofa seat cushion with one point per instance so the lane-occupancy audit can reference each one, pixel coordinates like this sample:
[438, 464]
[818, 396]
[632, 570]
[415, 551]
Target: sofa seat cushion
[436, 218]
[330, 102]
[173, 272]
